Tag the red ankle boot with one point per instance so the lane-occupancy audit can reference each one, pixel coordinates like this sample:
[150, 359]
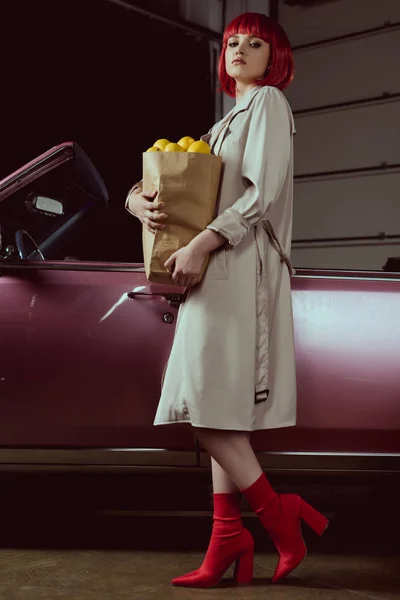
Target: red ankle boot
[230, 542]
[281, 516]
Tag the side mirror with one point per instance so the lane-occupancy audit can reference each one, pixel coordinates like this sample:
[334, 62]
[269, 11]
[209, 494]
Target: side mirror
[48, 206]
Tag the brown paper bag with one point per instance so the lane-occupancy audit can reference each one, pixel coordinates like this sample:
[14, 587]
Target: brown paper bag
[187, 182]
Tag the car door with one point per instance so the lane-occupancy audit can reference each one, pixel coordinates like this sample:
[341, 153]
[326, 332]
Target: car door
[347, 332]
[83, 350]
[83, 344]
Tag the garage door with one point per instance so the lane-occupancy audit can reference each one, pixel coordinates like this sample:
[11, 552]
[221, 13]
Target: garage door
[346, 100]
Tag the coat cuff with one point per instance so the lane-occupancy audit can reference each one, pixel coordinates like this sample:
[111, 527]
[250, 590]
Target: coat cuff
[231, 225]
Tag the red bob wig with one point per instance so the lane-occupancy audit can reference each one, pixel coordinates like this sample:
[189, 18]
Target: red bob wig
[280, 69]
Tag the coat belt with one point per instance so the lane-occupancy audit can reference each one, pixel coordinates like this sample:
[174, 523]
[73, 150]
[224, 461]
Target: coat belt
[270, 231]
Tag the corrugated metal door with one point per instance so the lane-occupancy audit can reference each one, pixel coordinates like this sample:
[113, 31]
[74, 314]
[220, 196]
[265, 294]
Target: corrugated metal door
[346, 99]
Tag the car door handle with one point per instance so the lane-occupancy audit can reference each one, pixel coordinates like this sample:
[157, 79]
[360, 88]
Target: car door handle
[174, 300]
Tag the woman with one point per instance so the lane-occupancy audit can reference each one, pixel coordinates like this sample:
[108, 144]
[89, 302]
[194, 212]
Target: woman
[232, 364]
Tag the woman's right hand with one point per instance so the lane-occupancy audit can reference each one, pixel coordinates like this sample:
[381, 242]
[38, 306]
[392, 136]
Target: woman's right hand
[142, 204]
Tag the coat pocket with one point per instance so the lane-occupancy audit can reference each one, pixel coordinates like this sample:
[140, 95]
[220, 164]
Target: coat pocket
[219, 264]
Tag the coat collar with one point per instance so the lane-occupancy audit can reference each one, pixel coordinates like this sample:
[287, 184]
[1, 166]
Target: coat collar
[241, 106]
[245, 102]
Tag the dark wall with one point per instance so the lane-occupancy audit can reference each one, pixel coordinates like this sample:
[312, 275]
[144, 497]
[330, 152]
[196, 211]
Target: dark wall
[111, 80]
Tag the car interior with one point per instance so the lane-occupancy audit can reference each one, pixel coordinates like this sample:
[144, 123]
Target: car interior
[42, 219]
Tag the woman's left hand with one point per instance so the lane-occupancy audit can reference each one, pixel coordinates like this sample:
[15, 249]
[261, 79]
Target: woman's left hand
[186, 265]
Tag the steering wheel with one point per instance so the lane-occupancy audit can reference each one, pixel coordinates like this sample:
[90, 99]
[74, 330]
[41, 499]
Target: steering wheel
[20, 243]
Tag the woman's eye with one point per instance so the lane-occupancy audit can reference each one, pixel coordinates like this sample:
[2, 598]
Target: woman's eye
[252, 44]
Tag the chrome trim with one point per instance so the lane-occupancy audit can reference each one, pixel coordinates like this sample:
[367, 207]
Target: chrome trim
[341, 454]
[158, 459]
[324, 462]
[34, 168]
[6, 265]
[330, 462]
[344, 277]
[96, 458]
[45, 266]
[327, 271]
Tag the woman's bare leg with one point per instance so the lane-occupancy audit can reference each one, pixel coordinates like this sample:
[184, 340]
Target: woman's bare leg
[232, 451]
[222, 484]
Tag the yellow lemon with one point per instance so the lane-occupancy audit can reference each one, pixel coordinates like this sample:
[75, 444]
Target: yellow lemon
[200, 146]
[153, 149]
[185, 142]
[173, 148]
[161, 144]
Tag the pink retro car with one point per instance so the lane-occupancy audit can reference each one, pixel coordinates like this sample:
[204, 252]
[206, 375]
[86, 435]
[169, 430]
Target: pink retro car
[83, 345]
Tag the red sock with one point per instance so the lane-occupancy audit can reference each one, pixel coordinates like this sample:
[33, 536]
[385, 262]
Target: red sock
[263, 500]
[227, 522]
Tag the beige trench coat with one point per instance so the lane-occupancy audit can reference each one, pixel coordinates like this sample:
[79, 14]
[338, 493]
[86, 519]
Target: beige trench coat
[232, 364]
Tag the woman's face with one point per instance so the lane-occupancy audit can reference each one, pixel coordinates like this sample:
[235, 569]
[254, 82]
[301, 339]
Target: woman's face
[246, 57]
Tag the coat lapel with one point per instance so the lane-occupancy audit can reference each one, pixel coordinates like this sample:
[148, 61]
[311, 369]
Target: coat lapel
[223, 125]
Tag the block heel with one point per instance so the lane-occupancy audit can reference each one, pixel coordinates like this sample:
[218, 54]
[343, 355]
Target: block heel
[313, 518]
[243, 574]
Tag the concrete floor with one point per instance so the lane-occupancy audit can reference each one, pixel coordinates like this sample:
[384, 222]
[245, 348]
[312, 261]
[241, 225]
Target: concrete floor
[122, 575]
[86, 538]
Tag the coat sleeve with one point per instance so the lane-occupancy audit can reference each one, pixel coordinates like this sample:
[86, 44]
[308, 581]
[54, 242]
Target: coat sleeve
[265, 164]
